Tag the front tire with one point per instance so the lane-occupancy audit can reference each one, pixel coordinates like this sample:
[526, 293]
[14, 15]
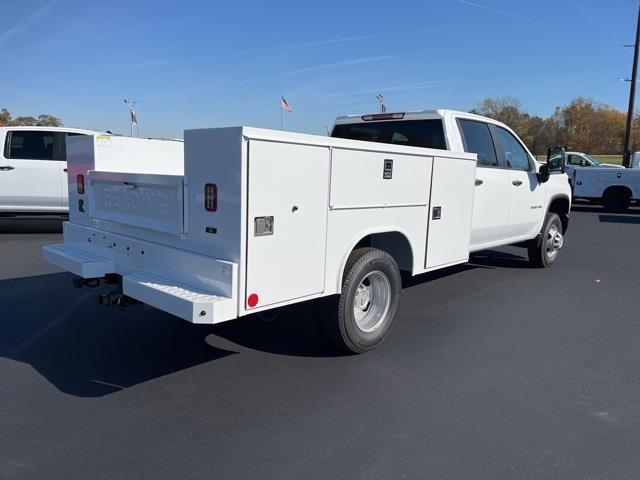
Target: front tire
[543, 252]
[368, 303]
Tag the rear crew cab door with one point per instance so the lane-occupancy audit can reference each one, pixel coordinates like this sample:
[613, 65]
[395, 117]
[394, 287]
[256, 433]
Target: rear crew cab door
[492, 193]
[288, 187]
[527, 193]
[30, 173]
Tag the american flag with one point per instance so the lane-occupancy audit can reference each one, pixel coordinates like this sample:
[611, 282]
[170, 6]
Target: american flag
[285, 105]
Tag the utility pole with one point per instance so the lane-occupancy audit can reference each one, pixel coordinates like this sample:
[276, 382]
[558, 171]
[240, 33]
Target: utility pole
[632, 98]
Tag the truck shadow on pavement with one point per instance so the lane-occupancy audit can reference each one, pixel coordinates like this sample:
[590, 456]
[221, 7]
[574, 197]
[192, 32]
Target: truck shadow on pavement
[619, 219]
[590, 208]
[499, 259]
[89, 350]
[31, 224]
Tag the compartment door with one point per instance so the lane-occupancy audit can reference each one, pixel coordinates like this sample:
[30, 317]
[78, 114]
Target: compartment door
[286, 222]
[450, 207]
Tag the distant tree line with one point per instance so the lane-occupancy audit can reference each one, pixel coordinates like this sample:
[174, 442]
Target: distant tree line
[582, 125]
[44, 120]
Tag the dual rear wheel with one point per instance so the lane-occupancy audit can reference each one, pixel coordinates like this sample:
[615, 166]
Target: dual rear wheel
[368, 303]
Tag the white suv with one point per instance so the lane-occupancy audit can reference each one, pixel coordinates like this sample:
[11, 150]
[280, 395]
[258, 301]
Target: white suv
[33, 169]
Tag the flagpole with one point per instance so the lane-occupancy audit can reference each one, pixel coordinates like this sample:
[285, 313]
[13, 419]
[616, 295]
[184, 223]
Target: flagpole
[281, 113]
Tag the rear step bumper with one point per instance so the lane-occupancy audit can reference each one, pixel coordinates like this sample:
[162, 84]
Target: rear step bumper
[178, 299]
[77, 260]
[167, 278]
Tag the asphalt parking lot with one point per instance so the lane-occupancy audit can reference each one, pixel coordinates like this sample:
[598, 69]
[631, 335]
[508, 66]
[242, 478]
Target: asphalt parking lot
[493, 370]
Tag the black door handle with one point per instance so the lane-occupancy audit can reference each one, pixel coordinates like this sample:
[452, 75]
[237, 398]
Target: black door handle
[64, 169]
[517, 183]
[5, 168]
[479, 182]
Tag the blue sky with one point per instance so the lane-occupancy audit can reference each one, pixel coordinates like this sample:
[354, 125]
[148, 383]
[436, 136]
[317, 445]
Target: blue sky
[218, 63]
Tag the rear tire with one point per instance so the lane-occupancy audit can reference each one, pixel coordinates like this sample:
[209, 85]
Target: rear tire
[543, 251]
[616, 199]
[368, 303]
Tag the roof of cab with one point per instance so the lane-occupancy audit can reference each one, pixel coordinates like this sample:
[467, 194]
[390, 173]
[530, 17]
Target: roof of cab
[419, 115]
[53, 129]
[414, 115]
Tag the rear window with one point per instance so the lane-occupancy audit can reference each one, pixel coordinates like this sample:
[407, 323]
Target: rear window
[413, 133]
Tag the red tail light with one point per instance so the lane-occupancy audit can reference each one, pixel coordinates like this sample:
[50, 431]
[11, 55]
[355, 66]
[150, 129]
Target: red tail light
[210, 197]
[80, 183]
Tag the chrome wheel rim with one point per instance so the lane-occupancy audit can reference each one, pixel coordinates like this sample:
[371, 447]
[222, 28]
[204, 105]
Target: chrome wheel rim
[372, 301]
[554, 241]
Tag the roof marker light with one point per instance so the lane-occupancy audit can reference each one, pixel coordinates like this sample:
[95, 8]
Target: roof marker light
[383, 116]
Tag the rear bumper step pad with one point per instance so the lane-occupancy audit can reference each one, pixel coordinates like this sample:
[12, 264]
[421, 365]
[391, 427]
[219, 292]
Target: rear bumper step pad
[76, 260]
[181, 300]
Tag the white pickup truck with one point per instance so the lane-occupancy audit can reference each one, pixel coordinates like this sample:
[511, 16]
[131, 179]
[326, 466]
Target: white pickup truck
[33, 165]
[33, 169]
[260, 219]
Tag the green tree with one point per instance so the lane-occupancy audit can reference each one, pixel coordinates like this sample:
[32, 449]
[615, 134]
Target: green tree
[582, 124]
[5, 117]
[44, 120]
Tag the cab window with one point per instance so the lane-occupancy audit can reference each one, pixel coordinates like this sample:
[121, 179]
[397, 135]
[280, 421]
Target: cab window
[37, 145]
[477, 139]
[32, 145]
[513, 153]
[574, 160]
[414, 133]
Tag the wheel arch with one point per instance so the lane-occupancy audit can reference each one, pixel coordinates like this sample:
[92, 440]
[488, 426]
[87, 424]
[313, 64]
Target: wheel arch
[394, 241]
[561, 206]
[622, 188]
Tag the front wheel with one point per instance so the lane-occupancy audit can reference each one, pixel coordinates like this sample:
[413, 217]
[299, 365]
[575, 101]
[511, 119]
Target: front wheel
[368, 303]
[544, 250]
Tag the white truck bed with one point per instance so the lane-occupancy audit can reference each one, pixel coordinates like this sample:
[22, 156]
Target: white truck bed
[290, 209]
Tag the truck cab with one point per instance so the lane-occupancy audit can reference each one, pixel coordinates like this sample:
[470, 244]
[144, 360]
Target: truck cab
[33, 169]
[510, 199]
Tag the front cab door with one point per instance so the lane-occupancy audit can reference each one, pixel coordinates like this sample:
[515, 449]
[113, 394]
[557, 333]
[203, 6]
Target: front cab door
[492, 186]
[527, 192]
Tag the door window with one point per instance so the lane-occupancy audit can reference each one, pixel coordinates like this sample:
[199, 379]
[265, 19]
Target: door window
[513, 153]
[575, 160]
[32, 145]
[477, 139]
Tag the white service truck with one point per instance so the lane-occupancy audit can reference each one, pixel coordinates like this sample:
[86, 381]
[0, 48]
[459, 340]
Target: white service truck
[260, 219]
[614, 188]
